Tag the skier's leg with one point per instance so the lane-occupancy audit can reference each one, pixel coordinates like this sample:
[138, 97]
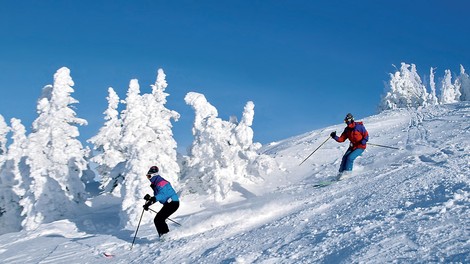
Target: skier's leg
[164, 213]
[342, 167]
[349, 161]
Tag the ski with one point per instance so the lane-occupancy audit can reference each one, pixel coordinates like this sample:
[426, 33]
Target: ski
[323, 184]
[108, 255]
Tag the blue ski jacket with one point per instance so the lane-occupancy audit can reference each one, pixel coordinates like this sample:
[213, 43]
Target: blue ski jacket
[162, 189]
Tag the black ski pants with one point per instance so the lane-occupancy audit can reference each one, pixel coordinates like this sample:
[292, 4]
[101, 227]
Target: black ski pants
[167, 210]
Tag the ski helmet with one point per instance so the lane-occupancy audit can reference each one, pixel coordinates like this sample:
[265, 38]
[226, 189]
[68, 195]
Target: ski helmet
[152, 170]
[349, 118]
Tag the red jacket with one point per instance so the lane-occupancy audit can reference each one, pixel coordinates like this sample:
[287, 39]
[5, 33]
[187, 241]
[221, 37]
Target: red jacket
[356, 133]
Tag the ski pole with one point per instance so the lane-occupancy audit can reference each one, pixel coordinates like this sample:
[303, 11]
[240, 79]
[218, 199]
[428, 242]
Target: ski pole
[174, 221]
[314, 151]
[167, 218]
[137, 228]
[377, 145]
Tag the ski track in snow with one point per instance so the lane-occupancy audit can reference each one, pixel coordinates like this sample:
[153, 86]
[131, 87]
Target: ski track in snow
[402, 206]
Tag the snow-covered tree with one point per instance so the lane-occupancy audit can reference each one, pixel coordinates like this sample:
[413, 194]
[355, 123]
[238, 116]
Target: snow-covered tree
[210, 168]
[107, 145]
[223, 152]
[450, 92]
[258, 165]
[133, 139]
[160, 121]
[17, 152]
[4, 129]
[465, 85]
[432, 99]
[13, 180]
[5, 188]
[147, 140]
[55, 156]
[405, 89]
[243, 134]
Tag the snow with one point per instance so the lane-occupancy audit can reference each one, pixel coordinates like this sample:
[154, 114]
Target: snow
[402, 206]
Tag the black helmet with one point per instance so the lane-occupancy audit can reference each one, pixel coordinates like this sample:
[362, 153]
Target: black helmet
[152, 170]
[349, 118]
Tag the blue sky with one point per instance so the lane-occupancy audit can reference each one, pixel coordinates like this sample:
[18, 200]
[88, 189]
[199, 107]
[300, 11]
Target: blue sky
[304, 64]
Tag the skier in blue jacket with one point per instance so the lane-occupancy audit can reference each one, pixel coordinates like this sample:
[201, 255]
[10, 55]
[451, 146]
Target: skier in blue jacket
[166, 195]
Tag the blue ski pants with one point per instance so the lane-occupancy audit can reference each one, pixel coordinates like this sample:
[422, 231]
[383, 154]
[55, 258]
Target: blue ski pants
[348, 159]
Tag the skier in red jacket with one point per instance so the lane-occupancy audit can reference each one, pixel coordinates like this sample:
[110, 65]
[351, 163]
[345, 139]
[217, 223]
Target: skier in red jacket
[358, 137]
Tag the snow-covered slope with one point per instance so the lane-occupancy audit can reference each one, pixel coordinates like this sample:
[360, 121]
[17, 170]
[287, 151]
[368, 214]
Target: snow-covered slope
[406, 206]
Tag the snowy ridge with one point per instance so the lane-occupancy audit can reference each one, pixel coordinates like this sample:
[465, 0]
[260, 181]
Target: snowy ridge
[407, 206]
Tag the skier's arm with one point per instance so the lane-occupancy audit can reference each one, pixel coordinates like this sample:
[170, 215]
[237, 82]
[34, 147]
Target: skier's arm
[149, 201]
[365, 135]
[365, 138]
[343, 137]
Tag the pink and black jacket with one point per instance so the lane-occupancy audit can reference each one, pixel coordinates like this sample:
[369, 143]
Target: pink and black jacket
[162, 189]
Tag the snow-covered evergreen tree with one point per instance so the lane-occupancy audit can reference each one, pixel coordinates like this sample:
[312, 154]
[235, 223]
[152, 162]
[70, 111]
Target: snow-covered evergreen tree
[243, 134]
[405, 89]
[55, 156]
[160, 120]
[433, 100]
[418, 88]
[223, 152]
[13, 180]
[450, 92]
[5, 185]
[133, 139]
[147, 140]
[17, 156]
[258, 165]
[4, 129]
[107, 145]
[210, 168]
[465, 85]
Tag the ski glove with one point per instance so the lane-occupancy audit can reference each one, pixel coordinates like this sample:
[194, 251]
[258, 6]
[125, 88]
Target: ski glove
[147, 197]
[146, 206]
[363, 142]
[150, 201]
[333, 134]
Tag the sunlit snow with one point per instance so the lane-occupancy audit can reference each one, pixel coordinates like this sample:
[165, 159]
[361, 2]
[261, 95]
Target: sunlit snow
[405, 206]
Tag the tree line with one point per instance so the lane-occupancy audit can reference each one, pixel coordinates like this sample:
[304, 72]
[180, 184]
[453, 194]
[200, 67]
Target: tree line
[44, 174]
